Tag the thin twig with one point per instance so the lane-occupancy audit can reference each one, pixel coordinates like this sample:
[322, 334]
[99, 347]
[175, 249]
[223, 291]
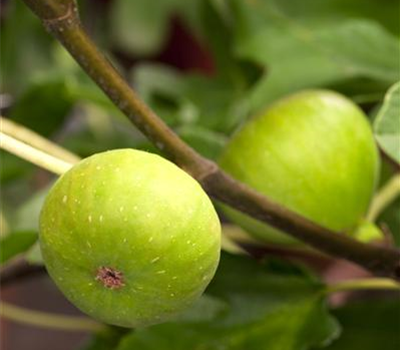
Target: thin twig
[35, 140]
[386, 195]
[61, 19]
[33, 155]
[48, 320]
[364, 284]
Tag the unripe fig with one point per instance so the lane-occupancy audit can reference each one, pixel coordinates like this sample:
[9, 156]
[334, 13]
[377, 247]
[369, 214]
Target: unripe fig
[312, 152]
[129, 237]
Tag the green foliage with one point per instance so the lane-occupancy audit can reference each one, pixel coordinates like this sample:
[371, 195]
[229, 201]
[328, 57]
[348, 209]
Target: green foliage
[265, 308]
[212, 103]
[302, 51]
[21, 29]
[16, 243]
[387, 123]
[261, 50]
[369, 325]
[43, 107]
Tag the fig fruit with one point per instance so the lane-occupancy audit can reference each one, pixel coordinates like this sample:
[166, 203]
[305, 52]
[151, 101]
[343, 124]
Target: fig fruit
[129, 237]
[312, 152]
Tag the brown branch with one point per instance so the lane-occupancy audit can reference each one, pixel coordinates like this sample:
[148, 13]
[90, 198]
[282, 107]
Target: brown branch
[60, 17]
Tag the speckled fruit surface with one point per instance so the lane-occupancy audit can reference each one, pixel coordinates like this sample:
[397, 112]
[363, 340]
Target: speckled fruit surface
[312, 152]
[129, 237]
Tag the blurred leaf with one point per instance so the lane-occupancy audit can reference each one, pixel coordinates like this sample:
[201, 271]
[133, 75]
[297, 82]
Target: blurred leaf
[16, 243]
[43, 107]
[22, 31]
[266, 310]
[26, 218]
[12, 167]
[204, 141]
[316, 11]
[302, 51]
[34, 255]
[105, 340]
[206, 308]
[387, 123]
[391, 218]
[212, 103]
[369, 325]
[218, 30]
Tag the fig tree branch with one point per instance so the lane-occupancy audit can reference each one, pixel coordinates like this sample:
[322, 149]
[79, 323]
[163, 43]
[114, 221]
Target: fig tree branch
[61, 19]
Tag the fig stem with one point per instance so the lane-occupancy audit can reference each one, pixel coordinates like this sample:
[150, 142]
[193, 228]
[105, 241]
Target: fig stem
[37, 141]
[33, 155]
[363, 284]
[49, 320]
[386, 195]
[61, 19]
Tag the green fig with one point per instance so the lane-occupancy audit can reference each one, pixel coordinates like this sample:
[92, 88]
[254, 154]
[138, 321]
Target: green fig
[129, 238]
[312, 152]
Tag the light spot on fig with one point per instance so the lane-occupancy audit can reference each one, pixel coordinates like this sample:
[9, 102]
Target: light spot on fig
[88, 244]
[90, 218]
[151, 239]
[110, 278]
[172, 294]
[121, 209]
[155, 259]
[124, 240]
[101, 218]
[98, 167]
[65, 199]
[175, 277]
[161, 272]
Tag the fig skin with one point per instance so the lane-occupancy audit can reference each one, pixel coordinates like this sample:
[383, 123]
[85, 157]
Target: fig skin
[312, 152]
[129, 238]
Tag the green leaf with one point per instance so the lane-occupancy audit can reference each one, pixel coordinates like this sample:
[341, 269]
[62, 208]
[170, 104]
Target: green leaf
[387, 123]
[218, 30]
[24, 45]
[301, 51]
[391, 218]
[105, 340]
[12, 167]
[369, 325]
[192, 99]
[16, 243]
[43, 107]
[265, 309]
[205, 141]
[26, 218]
